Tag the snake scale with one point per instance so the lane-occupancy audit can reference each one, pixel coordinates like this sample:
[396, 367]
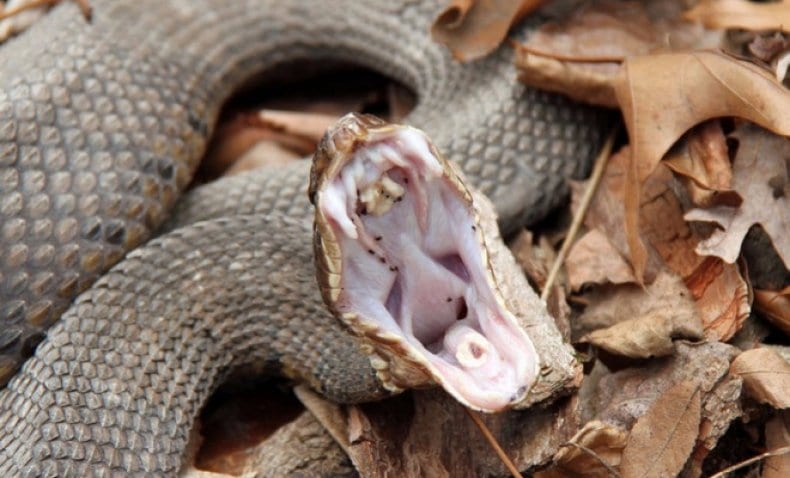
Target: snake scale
[102, 125]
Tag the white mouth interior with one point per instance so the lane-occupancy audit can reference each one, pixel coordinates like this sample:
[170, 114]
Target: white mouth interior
[412, 262]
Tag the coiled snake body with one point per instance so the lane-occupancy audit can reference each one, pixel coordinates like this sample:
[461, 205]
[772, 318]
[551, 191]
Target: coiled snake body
[101, 127]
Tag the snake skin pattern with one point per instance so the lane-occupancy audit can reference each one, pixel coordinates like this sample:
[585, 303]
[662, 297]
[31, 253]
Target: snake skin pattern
[102, 125]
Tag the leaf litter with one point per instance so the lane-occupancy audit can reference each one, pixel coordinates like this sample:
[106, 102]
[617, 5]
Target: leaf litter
[656, 284]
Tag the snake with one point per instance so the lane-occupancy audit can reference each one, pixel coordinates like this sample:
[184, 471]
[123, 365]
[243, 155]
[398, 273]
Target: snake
[124, 335]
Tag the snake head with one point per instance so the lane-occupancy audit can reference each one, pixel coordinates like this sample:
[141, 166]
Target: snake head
[402, 260]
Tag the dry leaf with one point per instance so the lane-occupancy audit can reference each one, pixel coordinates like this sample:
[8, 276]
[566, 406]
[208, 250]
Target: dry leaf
[593, 259]
[766, 376]
[580, 55]
[262, 153]
[777, 435]
[704, 159]
[620, 398]
[473, 28]
[725, 14]
[606, 212]
[662, 439]
[720, 292]
[19, 21]
[642, 323]
[574, 459]
[310, 126]
[662, 96]
[775, 306]
[762, 179]
[642, 337]
[722, 298]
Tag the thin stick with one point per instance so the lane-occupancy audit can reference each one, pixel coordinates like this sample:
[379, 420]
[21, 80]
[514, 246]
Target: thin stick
[595, 178]
[494, 444]
[730, 469]
[600, 459]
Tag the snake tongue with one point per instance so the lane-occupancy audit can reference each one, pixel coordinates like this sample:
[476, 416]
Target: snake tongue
[400, 230]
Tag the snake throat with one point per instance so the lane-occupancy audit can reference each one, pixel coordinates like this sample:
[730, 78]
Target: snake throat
[414, 273]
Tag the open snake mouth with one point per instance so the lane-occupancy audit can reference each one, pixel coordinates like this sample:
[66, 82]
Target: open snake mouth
[414, 273]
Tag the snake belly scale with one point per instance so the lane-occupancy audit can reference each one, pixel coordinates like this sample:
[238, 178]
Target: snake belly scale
[102, 125]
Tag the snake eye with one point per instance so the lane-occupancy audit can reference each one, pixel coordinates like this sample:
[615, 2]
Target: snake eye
[414, 271]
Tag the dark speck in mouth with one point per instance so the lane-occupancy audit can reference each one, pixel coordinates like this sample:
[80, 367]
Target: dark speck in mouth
[378, 238]
[463, 311]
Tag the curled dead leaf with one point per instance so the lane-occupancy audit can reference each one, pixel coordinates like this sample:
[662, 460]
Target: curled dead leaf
[643, 322]
[473, 28]
[704, 159]
[724, 14]
[581, 54]
[762, 179]
[775, 306]
[662, 439]
[766, 376]
[722, 298]
[19, 15]
[662, 96]
[642, 337]
[594, 451]
[619, 398]
[263, 153]
[593, 259]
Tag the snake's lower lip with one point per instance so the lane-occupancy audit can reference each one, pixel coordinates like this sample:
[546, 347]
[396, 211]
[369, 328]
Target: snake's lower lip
[411, 271]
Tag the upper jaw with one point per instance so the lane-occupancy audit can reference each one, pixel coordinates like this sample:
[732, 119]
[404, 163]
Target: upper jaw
[402, 259]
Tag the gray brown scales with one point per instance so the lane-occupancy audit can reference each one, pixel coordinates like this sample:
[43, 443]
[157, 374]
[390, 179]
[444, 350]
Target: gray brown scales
[101, 127]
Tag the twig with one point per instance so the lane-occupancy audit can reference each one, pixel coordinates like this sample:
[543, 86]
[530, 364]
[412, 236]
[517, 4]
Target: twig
[595, 178]
[729, 469]
[85, 8]
[598, 457]
[494, 444]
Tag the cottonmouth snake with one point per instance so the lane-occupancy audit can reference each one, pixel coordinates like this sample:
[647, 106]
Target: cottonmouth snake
[101, 127]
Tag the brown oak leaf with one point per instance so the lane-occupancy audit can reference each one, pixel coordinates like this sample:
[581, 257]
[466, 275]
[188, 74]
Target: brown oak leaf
[762, 179]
